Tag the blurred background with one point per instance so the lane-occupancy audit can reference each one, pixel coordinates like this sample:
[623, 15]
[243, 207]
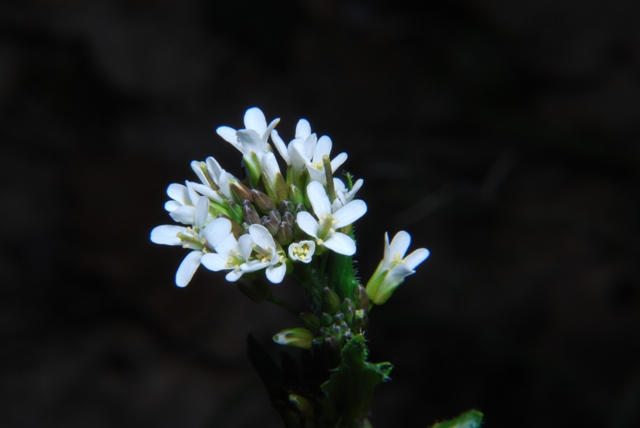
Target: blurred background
[502, 135]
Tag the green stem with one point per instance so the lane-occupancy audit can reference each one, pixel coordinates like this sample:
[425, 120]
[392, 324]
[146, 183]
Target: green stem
[323, 264]
[273, 299]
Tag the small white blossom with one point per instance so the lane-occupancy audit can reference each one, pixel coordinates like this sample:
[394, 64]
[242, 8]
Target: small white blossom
[394, 267]
[251, 141]
[302, 251]
[266, 251]
[324, 228]
[315, 166]
[344, 195]
[234, 256]
[200, 239]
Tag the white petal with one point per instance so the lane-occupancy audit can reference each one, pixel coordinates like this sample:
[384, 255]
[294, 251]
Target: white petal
[184, 214]
[214, 262]
[217, 231]
[245, 245]
[227, 247]
[266, 132]
[339, 185]
[307, 223]
[172, 205]
[276, 274]
[179, 193]
[254, 119]
[202, 209]
[253, 266]
[416, 257]
[296, 156]
[350, 213]
[197, 168]
[309, 146]
[193, 195]
[234, 275]
[270, 166]
[338, 161]
[187, 268]
[356, 186]
[262, 237]
[208, 192]
[167, 234]
[388, 257]
[213, 167]
[318, 198]
[303, 129]
[399, 244]
[224, 184]
[323, 147]
[280, 146]
[250, 142]
[229, 134]
[341, 244]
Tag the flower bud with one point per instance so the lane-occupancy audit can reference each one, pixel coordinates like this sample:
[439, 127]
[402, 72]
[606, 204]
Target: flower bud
[299, 207]
[271, 226]
[332, 343]
[284, 234]
[303, 405]
[310, 321]
[275, 216]
[295, 194]
[235, 211]
[263, 202]
[318, 341]
[326, 319]
[240, 191]
[285, 206]
[294, 337]
[331, 300]
[346, 304]
[348, 315]
[362, 298]
[250, 214]
[338, 318]
[336, 332]
[289, 218]
[360, 320]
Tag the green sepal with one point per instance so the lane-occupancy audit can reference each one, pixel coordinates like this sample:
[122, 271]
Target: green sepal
[350, 387]
[470, 419]
[253, 167]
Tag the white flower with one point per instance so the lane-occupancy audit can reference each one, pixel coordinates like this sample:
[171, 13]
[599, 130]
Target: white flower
[394, 267]
[302, 251]
[344, 195]
[199, 239]
[315, 166]
[212, 177]
[234, 256]
[307, 151]
[324, 229]
[251, 141]
[266, 252]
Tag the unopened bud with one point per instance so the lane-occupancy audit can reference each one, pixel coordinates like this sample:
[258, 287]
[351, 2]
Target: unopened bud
[348, 315]
[361, 297]
[235, 211]
[360, 320]
[318, 341]
[284, 234]
[275, 216]
[326, 319]
[240, 191]
[262, 201]
[303, 405]
[271, 226]
[346, 304]
[347, 335]
[332, 343]
[289, 218]
[295, 337]
[257, 291]
[336, 332]
[299, 207]
[338, 318]
[296, 196]
[250, 214]
[310, 321]
[331, 300]
[285, 206]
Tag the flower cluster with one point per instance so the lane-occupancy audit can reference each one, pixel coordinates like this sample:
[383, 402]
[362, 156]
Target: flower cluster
[268, 221]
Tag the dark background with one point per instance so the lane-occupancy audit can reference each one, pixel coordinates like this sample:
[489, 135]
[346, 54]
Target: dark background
[502, 135]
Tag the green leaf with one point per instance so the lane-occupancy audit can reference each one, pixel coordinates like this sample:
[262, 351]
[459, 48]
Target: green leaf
[470, 419]
[350, 388]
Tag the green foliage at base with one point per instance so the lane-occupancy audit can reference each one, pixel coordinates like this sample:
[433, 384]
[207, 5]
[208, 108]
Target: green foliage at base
[470, 419]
